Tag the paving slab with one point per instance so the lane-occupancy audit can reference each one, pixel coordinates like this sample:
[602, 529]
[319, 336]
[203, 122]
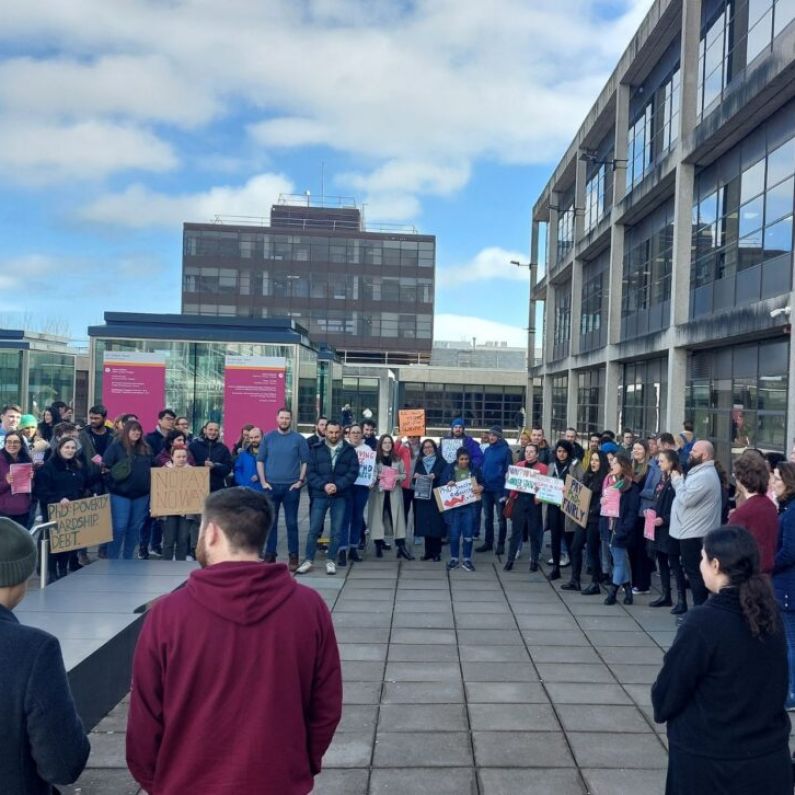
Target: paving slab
[513, 717]
[423, 693]
[423, 718]
[601, 718]
[493, 654]
[422, 652]
[344, 781]
[521, 671]
[521, 749]
[505, 693]
[449, 781]
[521, 781]
[563, 654]
[423, 749]
[624, 782]
[624, 750]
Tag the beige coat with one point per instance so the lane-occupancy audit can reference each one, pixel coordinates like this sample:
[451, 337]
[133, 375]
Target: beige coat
[375, 509]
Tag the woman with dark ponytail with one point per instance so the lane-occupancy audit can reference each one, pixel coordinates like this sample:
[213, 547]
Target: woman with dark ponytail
[724, 681]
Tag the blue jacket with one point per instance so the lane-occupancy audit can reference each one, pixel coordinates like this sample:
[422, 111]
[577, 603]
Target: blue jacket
[473, 448]
[496, 460]
[44, 742]
[784, 563]
[245, 469]
[319, 472]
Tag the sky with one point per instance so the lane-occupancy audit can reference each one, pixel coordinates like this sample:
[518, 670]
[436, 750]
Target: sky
[120, 121]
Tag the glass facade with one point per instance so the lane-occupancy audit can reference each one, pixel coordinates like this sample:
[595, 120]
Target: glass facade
[559, 406]
[590, 400]
[598, 194]
[742, 220]
[10, 376]
[195, 373]
[562, 325]
[481, 405]
[593, 328]
[51, 376]
[642, 396]
[565, 227]
[766, 19]
[737, 396]
[646, 282]
[361, 393]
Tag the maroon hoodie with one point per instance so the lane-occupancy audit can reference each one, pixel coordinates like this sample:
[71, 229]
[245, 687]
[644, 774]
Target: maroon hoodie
[236, 685]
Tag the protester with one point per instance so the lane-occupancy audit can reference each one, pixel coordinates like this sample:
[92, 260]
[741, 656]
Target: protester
[545, 455]
[666, 549]
[368, 434]
[94, 441]
[14, 506]
[646, 474]
[409, 453]
[458, 432]
[157, 438]
[627, 439]
[461, 520]
[685, 442]
[757, 514]
[320, 431]
[282, 461]
[28, 427]
[44, 743]
[526, 515]
[784, 564]
[175, 440]
[62, 479]
[588, 537]
[209, 451]
[385, 508]
[9, 420]
[182, 424]
[128, 464]
[496, 460]
[61, 411]
[333, 467]
[622, 528]
[428, 521]
[180, 531]
[723, 683]
[577, 452]
[561, 526]
[47, 424]
[245, 467]
[696, 510]
[242, 439]
[242, 639]
[357, 502]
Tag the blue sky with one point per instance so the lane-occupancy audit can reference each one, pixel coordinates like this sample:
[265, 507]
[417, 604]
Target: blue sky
[119, 121]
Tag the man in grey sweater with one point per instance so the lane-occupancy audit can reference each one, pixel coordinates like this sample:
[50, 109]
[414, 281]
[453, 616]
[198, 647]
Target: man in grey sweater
[696, 510]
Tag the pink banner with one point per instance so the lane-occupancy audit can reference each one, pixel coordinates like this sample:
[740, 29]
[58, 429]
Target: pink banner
[134, 383]
[254, 390]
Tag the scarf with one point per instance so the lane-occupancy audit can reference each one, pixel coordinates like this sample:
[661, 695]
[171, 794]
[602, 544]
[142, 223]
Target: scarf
[334, 451]
[428, 461]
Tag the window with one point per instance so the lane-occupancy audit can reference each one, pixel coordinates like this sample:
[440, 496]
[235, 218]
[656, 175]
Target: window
[566, 230]
[593, 330]
[596, 192]
[642, 396]
[562, 325]
[766, 20]
[590, 400]
[559, 406]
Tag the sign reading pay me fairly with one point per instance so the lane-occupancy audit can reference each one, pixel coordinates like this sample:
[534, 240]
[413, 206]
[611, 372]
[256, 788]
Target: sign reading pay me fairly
[176, 492]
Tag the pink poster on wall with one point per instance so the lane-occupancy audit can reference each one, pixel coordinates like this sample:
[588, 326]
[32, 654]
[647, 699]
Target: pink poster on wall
[134, 383]
[254, 390]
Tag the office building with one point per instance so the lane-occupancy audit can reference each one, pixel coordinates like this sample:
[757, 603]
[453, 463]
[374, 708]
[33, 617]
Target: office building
[664, 235]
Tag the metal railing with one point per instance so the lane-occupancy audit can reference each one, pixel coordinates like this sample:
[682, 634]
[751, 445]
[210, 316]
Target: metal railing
[43, 532]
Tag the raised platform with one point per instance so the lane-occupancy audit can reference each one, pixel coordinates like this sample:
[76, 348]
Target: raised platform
[96, 614]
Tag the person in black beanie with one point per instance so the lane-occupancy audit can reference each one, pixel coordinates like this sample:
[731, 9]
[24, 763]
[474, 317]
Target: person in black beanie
[44, 742]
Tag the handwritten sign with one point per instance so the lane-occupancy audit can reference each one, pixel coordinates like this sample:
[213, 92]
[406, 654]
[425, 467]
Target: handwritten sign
[650, 517]
[450, 447]
[576, 501]
[21, 478]
[81, 523]
[529, 481]
[366, 458]
[611, 500]
[423, 487]
[449, 497]
[179, 491]
[412, 422]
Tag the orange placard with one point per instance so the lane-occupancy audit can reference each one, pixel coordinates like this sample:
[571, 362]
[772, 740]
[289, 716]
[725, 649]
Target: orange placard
[411, 422]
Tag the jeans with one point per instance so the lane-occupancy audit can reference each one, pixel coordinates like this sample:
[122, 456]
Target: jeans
[690, 551]
[622, 572]
[491, 501]
[281, 495]
[321, 504]
[788, 619]
[460, 522]
[128, 516]
[353, 527]
[605, 554]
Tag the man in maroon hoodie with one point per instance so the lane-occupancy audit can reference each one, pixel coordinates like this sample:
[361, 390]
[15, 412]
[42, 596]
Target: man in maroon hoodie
[236, 677]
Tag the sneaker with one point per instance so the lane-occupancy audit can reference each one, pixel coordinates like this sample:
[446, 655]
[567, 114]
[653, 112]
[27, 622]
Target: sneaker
[638, 591]
[452, 564]
[342, 558]
[467, 566]
[304, 568]
[157, 549]
[331, 567]
[564, 561]
[293, 564]
[143, 554]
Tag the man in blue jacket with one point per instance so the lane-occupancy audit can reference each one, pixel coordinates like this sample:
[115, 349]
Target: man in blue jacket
[43, 739]
[496, 460]
[333, 468]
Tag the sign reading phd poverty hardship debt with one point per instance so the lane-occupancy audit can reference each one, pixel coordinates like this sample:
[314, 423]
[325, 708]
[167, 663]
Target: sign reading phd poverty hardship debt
[576, 501]
[176, 492]
[412, 422]
[81, 523]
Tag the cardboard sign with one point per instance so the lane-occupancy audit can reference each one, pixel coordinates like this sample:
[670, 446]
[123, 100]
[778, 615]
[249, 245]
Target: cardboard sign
[529, 481]
[176, 492]
[449, 497]
[610, 501]
[649, 527]
[576, 501]
[449, 448]
[21, 478]
[412, 422]
[423, 487]
[81, 523]
[366, 458]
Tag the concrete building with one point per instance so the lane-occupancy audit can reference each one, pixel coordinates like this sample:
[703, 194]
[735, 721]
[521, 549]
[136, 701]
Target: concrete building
[366, 291]
[667, 269]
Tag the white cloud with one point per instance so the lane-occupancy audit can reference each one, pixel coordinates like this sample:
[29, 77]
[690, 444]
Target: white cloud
[140, 207]
[487, 265]
[464, 327]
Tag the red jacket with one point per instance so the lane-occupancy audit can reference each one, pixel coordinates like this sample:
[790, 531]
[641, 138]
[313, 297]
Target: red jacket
[759, 517]
[236, 686]
[403, 451]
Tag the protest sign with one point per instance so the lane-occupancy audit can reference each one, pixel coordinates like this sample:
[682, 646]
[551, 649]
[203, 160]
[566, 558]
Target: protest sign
[423, 487]
[650, 517]
[81, 523]
[529, 481]
[450, 447]
[366, 458]
[576, 501]
[21, 478]
[176, 492]
[388, 478]
[610, 501]
[449, 497]
[411, 422]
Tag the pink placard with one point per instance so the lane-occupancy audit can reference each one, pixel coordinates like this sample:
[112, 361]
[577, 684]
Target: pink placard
[610, 501]
[388, 478]
[253, 392]
[134, 383]
[648, 524]
[21, 478]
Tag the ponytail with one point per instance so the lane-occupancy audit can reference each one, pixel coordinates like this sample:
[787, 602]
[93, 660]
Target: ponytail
[758, 605]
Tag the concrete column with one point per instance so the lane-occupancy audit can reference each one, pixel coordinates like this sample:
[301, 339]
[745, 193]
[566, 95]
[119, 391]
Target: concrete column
[546, 405]
[549, 324]
[680, 268]
[615, 274]
[675, 395]
[620, 143]
[612, 383]
[691, 36]
[571, 404]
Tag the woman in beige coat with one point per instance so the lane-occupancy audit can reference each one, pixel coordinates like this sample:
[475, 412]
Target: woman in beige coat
[386, 499]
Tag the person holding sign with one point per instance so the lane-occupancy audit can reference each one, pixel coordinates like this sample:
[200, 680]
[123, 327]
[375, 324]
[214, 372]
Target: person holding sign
[428, 522]
[526, 515]
[16, 476]
[496, 460]
[461, 520]
[61, 480]
[180, 532]
[386, 499]
[561, 526]
[353, 527]
[622, 528]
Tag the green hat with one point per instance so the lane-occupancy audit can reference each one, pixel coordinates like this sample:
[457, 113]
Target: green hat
[17, 553]
[28, 421]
